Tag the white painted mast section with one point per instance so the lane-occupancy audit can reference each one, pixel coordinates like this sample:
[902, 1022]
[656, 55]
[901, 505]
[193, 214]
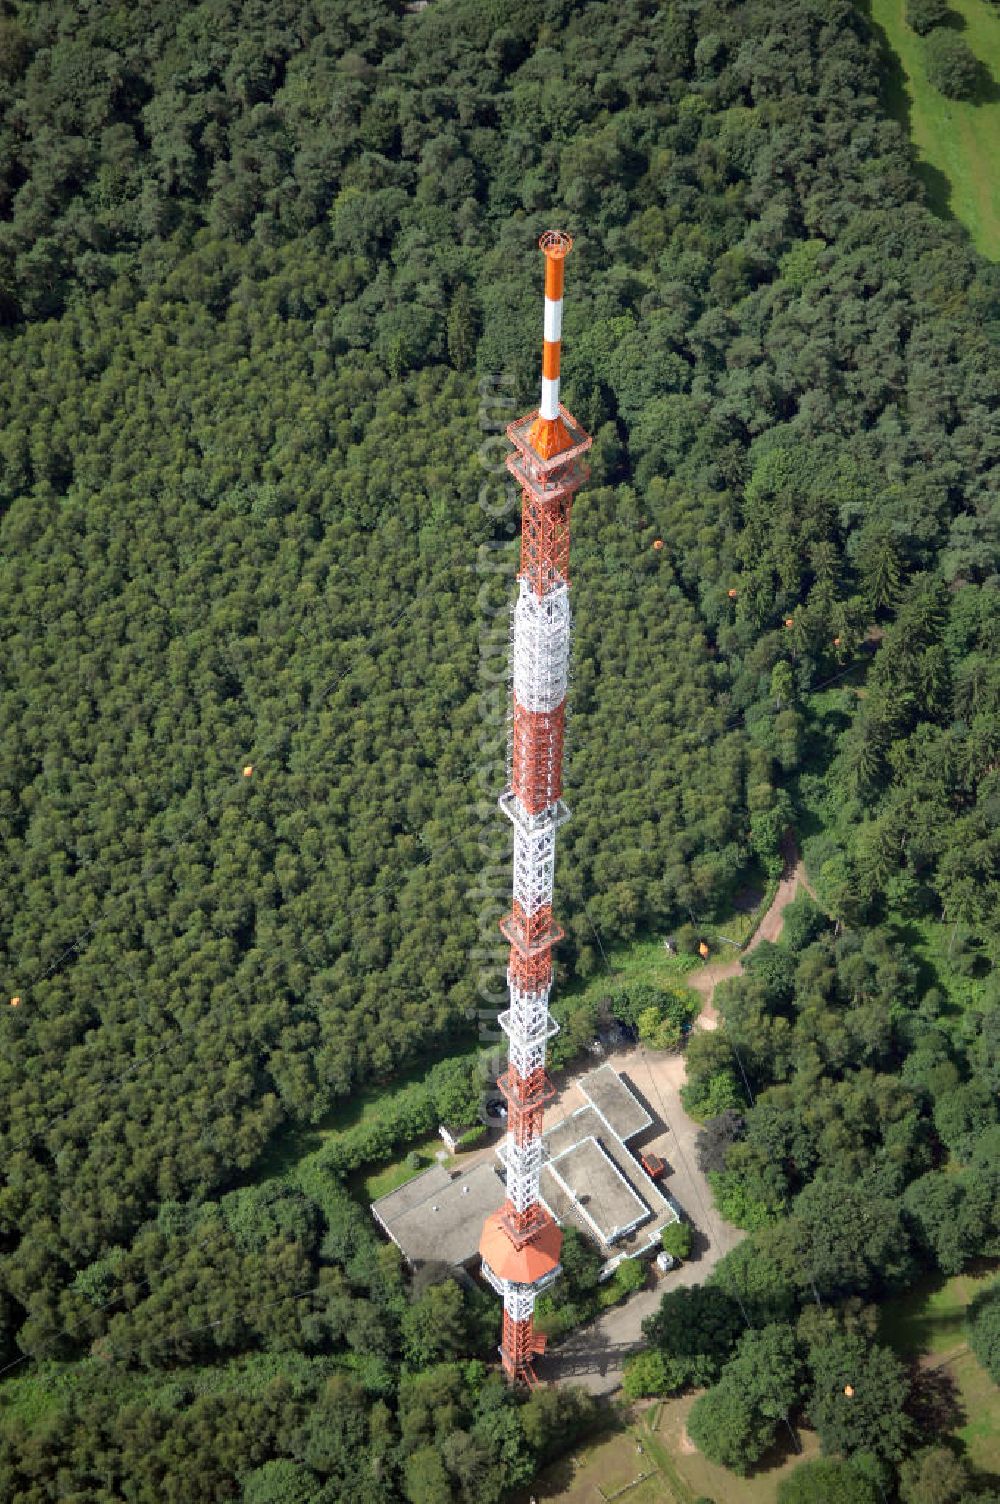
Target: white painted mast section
[552, 335]
[541, 647]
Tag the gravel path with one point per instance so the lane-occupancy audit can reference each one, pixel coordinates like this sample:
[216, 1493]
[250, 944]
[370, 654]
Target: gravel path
[708, 978]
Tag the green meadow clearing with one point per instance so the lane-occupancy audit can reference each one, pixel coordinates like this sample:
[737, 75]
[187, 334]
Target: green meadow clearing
[928, 1323]
[957, 143]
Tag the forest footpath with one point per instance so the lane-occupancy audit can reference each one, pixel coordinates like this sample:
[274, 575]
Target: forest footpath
[706, 980]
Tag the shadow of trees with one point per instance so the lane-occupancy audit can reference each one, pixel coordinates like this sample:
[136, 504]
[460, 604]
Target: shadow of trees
[935, 1403]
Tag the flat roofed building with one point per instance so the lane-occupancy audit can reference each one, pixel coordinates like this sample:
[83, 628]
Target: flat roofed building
[436, 1218]
[590, 1179]
[620, 1109]
[603, 1196]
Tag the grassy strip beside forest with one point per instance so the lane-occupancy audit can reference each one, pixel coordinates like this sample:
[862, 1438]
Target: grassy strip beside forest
[955, 140]
[675, 1472]
[929, 1324]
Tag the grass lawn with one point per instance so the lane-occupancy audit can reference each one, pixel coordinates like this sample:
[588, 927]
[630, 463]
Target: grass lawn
[601, 1469]
[928, 1323]
[733, 930]
[957, 144]
[639, 961]
[696, 1476]
[371, 1184]
[674, 1472]
[980, 1435]
[929, 1317]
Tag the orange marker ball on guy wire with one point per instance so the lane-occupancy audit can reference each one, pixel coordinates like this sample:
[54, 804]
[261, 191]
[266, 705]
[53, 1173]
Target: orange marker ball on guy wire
[789, 621]
[703, 951]
[248, 770]
[836, 642]
[15, 1002]
[657, 543]
[849, 1390]
[731, 594]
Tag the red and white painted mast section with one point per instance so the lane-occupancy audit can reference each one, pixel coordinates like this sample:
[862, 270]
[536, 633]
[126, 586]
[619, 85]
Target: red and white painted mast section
[521, 1243]
[540, 653]
[550, 436]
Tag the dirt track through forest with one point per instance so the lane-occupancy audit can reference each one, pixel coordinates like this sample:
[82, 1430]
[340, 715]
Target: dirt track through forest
[708, 978]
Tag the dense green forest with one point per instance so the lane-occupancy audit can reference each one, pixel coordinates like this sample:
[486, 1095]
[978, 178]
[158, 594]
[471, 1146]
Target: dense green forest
[854, 1131]
[255, 263]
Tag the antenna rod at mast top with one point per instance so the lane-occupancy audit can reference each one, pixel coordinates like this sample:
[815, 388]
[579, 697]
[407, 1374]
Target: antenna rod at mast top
[549, 435]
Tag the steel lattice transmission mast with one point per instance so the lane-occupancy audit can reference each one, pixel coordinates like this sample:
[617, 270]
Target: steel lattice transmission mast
[521, 1243]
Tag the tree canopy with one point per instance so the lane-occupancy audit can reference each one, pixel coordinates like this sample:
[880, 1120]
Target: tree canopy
[268, 294]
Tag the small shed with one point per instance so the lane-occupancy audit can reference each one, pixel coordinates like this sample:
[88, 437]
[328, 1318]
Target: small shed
[452, 1137]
